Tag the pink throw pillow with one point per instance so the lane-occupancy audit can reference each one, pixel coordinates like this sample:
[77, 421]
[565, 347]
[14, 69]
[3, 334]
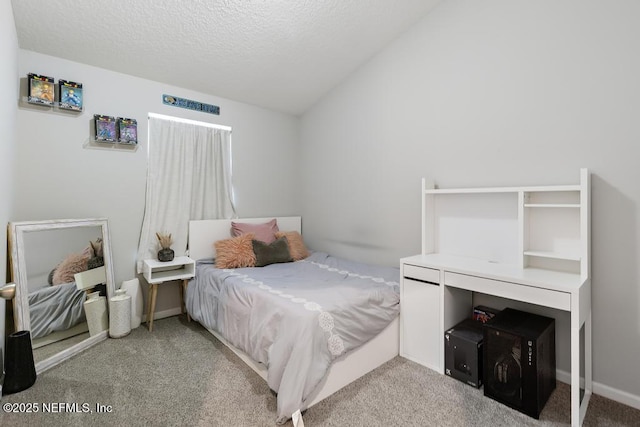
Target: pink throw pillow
[264, 232]
[72, 264]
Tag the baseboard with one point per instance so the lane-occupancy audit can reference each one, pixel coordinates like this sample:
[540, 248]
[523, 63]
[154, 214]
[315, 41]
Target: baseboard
[162, 314]
[605, 391]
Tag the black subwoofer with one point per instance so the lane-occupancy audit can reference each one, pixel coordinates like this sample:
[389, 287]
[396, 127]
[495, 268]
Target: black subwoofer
[520, 360]
[463, 352]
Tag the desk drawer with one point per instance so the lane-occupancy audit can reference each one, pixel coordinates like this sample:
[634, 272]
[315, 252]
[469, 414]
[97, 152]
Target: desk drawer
[423, 274]
[514, 291]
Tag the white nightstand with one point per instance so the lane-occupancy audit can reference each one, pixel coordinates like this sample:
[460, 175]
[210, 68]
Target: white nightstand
[157, 272]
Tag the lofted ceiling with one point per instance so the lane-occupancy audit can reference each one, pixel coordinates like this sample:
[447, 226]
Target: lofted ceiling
[279, 54]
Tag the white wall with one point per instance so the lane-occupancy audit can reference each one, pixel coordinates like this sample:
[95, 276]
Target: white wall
[482, 94]
[8, 140]
[57, 178]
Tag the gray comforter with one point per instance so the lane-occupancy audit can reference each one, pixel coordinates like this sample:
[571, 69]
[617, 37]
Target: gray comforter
[55, 308]
[295, 318]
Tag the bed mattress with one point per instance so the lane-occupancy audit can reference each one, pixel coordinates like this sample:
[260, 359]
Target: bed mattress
[295, 318]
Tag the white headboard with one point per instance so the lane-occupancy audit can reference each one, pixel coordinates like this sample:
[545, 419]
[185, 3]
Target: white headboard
[203, 233]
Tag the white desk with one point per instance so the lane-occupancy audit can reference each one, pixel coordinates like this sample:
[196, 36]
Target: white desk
[456, 278]
[157, 272]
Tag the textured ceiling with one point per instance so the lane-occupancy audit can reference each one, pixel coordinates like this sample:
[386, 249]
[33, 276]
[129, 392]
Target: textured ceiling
[279, 54]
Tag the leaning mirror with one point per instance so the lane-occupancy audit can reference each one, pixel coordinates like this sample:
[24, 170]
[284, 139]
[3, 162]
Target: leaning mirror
[63, 272]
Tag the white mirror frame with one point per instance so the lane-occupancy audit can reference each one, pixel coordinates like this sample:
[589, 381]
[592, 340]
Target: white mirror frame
[19, 276]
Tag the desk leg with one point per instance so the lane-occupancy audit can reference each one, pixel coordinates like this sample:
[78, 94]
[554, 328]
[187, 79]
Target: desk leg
[575, 373]
[153, 292]
[578, 406]
[588, 379]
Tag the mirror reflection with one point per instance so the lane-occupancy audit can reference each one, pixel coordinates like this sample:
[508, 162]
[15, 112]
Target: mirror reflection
[64, 277]
[56, 302]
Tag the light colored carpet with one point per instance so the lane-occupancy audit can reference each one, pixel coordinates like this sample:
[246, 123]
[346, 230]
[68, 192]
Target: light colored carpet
[180, 375]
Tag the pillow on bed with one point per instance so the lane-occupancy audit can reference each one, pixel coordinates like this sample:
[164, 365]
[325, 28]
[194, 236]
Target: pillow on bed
[297, 249]
[72, 264]
[271, 253]
[265, 232]
[236, 252]
[86, 252]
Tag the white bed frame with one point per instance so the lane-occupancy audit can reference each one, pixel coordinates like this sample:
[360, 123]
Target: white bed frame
[345, 369]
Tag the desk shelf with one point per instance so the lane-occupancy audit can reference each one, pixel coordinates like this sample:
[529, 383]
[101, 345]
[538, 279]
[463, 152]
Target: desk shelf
[551, 205]
[553, 255]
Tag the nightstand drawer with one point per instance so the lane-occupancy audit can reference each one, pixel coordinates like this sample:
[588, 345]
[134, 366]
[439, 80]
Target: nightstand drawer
[423, 274]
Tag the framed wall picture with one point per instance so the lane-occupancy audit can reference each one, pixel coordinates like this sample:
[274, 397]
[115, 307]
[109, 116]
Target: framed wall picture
[41, 89]
[70, 95]
[127, 131]
[105, 128]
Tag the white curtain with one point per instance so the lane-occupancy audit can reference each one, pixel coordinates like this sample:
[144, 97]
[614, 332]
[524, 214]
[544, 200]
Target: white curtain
[189, 177]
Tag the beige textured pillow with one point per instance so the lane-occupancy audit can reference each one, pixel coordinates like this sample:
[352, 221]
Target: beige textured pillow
[72, 264]
[297, 249]
[236, 252]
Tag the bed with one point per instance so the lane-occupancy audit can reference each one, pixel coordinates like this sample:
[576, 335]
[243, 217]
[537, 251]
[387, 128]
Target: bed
[308, 327]
[55, 309]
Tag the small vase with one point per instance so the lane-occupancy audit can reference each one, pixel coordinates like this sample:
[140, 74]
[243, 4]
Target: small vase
[135, 292]
[20, 366]
[165, 255]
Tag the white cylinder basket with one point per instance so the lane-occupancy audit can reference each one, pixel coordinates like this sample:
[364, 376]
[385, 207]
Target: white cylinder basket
[120, 315]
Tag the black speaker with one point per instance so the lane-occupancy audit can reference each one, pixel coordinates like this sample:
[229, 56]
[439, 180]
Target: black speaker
[463, 352]
[20, 370]
[520, 360]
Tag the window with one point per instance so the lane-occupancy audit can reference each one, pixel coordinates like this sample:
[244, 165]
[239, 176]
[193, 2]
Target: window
[188, 177]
